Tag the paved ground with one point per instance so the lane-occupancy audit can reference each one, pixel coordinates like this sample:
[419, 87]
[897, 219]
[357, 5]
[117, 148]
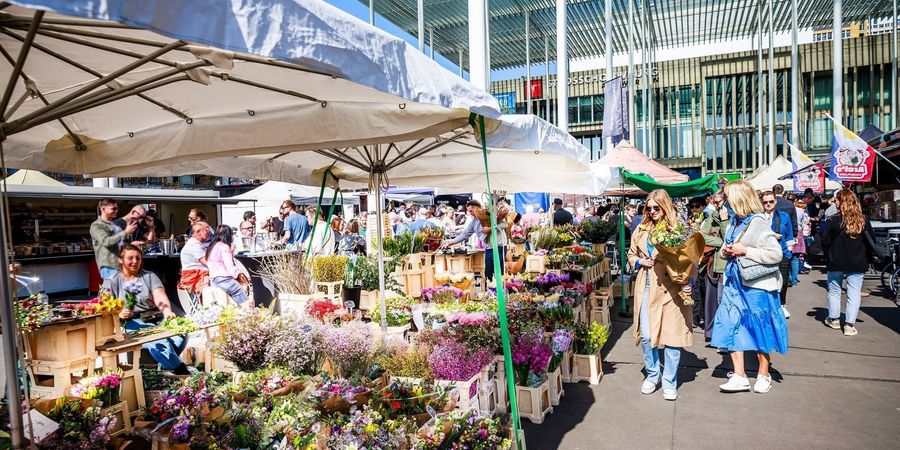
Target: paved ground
[831, 391]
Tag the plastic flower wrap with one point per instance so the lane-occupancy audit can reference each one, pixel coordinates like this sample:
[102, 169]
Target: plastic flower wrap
[679, 249]
[81, 426]
[465, 430]
[105, 388]
[31, 312]
[560, 343]
[590, 337]
[367, 428]
[348, 348]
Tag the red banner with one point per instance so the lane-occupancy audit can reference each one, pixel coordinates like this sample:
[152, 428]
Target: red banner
[810, 179]
[536, 87]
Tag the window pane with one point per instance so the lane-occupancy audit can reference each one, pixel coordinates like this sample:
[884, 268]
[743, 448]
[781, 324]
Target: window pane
[585, 109]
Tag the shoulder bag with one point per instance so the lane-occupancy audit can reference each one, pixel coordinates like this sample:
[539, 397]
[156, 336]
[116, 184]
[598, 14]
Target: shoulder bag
[751, 270]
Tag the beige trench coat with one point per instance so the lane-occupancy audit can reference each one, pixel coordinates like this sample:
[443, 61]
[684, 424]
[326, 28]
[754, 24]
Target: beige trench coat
[670, 318]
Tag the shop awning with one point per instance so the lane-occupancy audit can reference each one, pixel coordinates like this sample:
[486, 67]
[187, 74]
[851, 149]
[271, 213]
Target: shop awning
[692, 188]
[120, 194]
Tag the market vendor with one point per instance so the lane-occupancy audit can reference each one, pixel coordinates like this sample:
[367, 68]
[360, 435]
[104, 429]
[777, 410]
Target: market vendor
[473, 207]
[145, 231]
[151, 308]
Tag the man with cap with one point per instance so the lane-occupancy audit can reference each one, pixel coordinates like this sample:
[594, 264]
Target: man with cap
[560, 215]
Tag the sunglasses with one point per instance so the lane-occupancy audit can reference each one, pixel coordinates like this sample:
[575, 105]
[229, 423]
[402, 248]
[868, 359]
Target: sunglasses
[653, 208]
[769, 202]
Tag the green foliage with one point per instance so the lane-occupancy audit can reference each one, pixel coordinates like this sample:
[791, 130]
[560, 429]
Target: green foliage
[399, 311]
[590, 338]
[544, 238]
[367, 275]
[597, 231]
[403, 244]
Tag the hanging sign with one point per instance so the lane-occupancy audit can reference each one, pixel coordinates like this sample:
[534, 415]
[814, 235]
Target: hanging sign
[851, 157]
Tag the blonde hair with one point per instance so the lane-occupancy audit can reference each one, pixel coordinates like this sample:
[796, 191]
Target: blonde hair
[852, 219]
[662, 199]
[742, 198]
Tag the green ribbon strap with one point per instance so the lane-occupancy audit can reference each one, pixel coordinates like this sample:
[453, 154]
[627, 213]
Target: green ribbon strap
[319, 208]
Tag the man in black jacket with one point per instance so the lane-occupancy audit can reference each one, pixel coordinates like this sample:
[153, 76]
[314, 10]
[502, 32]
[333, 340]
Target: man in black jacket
[560, 215]
[783, 204]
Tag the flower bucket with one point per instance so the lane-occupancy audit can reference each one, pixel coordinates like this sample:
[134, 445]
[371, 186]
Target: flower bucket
[111, 397]
[587, 368]
[554, 378]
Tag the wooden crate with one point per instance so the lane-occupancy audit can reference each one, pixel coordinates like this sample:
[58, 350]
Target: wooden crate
[500, 387]
[108, 328]
[565, 367]
[133, 393]
[601, 316]
[51, 379]
[123, 418]
[587, 368]
[554, 379]
[477, 263]
[62, 342]
[534, 403]
[368, 300]
[468, 391]
[535, 264]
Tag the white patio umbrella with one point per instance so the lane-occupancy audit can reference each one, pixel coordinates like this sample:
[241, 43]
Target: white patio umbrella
[89, 94]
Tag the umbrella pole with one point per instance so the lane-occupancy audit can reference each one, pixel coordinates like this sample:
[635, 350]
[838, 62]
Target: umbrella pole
[623, 261]
[380, 251]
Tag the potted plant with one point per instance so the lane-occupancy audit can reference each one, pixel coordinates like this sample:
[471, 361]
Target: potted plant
[399, 315]
[531, 357]
[348, 348]
[351, 290]
[328, 274]
[598, 232]
[290, 272]
[367, 273]
[244, 340]
[586, 364]
[433, 237]
[296, 346]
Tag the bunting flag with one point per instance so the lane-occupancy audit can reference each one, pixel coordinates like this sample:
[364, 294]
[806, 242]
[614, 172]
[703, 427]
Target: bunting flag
[814, 178]
[851, 157]
[615, 114]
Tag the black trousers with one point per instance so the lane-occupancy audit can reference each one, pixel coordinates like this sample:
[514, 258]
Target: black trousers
[785, 268]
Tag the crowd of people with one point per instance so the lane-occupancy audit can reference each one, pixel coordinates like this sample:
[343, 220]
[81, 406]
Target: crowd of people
[755, 249]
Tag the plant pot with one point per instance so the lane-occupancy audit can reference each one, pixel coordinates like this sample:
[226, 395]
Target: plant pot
[534, 403]
[293, 303]
[587, 368]
[111, 397]
[467, 391]
[556, 386]
[351, 294]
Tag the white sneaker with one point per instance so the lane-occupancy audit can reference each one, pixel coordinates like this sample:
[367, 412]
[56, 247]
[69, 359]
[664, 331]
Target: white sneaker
[807, 266]
[736, 383]
[763, 384]
[670, 394]
[787, 315]
[648, 387]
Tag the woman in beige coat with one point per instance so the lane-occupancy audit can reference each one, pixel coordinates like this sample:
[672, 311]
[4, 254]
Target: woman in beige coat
[661, 317]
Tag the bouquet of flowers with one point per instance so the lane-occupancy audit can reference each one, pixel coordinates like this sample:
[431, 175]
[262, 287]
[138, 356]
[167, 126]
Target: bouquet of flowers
[340, 395]
[399, 311]
[194, 411]
[531, 356]
[367, 429]
[442, 294]
[455, 361]
[465, 430]
[679, 248]
[105, 388]
[554, 315]
[104, 303]
[132, 289]
[244, 341]
[31, 312]
[406, 399]
[590, 337]
[81, 426]
[348, 348]
[560, 343]
[296, 345]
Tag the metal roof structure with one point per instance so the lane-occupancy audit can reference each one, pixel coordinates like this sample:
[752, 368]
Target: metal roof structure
[674, 23]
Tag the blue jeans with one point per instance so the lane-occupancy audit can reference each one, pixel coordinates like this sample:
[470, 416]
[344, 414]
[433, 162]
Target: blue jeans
[854, 286]
[795, 269]
[164, 351]
[108, 272]
[651, 354]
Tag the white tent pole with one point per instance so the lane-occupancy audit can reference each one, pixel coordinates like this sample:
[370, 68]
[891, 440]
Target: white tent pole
[379, 233]
[771, 89]
[477, 44]
[837, 74]
[546, 87]
[372, 12]
[608, 31]
[632, 115]
[795, 81]
[562, 68]
[527, 62]
[420, 18]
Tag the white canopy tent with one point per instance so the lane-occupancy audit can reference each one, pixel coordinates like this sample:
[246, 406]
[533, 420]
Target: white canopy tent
[768, 175]
[265, 200]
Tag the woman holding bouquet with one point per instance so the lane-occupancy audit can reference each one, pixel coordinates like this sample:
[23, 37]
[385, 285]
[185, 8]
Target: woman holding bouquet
[750, 317]
[663, 320]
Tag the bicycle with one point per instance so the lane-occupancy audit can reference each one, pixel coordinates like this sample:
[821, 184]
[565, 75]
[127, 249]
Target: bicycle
[889, 279]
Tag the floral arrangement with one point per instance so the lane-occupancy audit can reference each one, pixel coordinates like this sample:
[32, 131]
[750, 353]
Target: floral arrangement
[402, 360]
[296, 345]
[544, 238]
[132, 289]
[546, 282]
[467, 318]
[399, 311]
[556, 314]
[329, 269]
[410, 399]
[679, 249]
[31, 313]
[598, 231]
[482, 305]
[531, 357]
[319, 308]
[465, 430]
[194, 410]
[566, 235]
[442, 294]
[560, 343]
[590, 337]
[670, 236]
[290, 420]
[455, 361]
[339, 395]
[104, 303]
[82, 426]
[244, 341]
[367, 428]
[105, 388]
[267, 382]
[348, 348]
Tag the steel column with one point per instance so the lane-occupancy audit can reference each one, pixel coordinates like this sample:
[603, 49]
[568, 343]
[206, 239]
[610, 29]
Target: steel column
[608, 38]
[431, 41]
[760, 105]
[372, 12]
[477, 46]
[895, 106]
[527, 62]
[632, 115]
[562, 67]
[546, 89]
[772, 92]
[795, 79]
[420, 19]
[837, 74]
[460, 52]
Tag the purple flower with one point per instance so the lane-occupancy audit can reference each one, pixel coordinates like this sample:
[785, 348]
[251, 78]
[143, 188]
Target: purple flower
[133, 286]
[561, 340]
[180, 429]
[454, 361]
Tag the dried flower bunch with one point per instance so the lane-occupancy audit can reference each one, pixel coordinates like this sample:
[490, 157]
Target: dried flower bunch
[289, 271]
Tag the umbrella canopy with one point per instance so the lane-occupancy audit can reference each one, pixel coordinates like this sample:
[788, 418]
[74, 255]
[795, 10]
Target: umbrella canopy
[626, 155]
[524, 152]
[32, 178]
[281, 76]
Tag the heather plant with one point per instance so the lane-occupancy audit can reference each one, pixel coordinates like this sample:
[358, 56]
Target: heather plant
[244, 341]
[348, 348]
[403, 360]
[296, 346]
[560, 343]
[455, 361]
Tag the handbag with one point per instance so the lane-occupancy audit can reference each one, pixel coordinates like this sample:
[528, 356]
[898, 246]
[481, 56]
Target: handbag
[751, 270]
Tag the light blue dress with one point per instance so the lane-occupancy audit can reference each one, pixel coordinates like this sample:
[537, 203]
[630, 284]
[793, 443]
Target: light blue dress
[747, 318]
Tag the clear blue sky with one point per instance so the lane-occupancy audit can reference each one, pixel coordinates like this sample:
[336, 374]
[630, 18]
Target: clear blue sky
[358, 9]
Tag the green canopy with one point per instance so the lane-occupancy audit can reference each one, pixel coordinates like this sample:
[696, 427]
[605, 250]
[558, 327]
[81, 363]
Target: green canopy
[692, 188]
